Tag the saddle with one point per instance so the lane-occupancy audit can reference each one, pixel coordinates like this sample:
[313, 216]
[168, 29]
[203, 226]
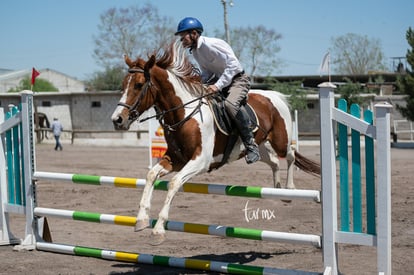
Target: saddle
[226, 126]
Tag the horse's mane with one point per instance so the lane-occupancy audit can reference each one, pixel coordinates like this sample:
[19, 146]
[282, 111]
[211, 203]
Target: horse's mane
[174, 59]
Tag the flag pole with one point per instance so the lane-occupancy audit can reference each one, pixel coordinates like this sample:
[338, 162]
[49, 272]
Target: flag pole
[329, 67]
[35, 74]
[325, 66]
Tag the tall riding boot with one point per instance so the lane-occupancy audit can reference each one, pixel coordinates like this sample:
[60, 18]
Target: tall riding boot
[243, 125]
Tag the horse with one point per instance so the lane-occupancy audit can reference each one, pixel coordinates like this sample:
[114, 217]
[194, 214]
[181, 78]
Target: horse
[41, 121]
[169, 82]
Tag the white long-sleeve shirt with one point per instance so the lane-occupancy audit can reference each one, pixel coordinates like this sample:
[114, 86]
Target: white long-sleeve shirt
[215, 56]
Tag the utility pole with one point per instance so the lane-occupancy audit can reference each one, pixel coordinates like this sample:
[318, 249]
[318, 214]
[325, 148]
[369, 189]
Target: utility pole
[226, 25]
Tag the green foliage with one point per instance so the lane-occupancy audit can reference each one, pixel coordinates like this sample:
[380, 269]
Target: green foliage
[41, 85]
[108, 80]
[296, 97]
[350, 92]
[377, 88]
[406, 81]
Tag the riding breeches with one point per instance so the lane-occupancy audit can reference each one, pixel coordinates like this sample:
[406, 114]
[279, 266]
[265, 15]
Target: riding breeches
[237, 94]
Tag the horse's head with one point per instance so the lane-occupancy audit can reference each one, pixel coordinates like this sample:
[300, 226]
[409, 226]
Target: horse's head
[137, 96]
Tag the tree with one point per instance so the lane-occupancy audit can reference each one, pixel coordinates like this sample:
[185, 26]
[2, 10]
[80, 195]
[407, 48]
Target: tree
[356, 54]
[296, 97]
[41, 85]
[133, 31]
[108, 80]
[256, 48]
[350, 92]
[406, 82]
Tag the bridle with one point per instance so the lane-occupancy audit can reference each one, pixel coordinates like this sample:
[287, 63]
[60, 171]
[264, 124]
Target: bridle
[133, 113]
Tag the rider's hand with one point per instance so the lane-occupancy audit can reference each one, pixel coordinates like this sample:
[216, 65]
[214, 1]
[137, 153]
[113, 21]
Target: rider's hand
[212, 89]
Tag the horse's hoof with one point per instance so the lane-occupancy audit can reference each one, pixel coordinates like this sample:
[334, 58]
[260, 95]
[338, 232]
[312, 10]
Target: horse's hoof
[157, 239]
[141, 225]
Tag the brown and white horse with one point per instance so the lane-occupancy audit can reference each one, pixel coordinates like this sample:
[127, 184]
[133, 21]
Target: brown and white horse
[169, 83]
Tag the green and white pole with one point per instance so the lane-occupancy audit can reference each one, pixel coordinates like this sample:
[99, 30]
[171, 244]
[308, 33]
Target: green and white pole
[215, 230]
[201, 188]
[186, 263]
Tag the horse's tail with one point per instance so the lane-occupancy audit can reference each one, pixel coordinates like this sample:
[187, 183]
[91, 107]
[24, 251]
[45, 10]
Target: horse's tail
[307, 165]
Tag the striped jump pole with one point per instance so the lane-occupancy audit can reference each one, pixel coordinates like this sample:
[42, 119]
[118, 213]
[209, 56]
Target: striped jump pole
[187, 263]
[216, 230]
[216, 188]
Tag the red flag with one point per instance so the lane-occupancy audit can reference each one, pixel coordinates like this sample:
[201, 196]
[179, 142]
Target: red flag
[34, 75]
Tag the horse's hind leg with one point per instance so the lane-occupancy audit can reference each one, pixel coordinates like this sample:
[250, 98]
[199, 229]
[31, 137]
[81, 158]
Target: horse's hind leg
[269, 156]
[145, 203]
[290, 158]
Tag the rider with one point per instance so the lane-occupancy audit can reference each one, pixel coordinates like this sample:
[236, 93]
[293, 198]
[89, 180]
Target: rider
[217, 61]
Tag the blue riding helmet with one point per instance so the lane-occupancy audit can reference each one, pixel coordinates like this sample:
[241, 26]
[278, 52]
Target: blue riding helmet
[189, 23]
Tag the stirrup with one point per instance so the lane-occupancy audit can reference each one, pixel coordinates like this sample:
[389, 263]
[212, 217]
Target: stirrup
[252, 153]
[252, 156]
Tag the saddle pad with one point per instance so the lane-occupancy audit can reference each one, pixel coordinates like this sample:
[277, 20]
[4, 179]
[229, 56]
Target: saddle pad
[222, 120]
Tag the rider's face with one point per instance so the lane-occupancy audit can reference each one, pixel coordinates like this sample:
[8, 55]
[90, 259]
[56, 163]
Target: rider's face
[185, 38]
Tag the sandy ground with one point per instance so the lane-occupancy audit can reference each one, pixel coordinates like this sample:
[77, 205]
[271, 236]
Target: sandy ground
[297, 216]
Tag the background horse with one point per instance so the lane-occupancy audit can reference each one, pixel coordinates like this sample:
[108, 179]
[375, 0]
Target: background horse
[41, 123]
[169, 83]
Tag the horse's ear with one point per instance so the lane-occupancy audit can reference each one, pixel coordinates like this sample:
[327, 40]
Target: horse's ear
[128, 61]
[150, 63]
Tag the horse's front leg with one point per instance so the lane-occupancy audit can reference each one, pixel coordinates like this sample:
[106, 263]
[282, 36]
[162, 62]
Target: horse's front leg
[143, 220]
[192, 168]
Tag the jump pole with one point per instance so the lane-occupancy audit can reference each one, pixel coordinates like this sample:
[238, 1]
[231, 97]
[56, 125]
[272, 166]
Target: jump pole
[187, 263]
[215, 230]
[215, 188]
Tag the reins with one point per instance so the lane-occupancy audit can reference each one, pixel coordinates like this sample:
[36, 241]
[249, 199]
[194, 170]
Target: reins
[159, 115]
[133, 113]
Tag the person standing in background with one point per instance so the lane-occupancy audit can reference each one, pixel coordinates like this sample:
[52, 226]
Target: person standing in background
[57, 129]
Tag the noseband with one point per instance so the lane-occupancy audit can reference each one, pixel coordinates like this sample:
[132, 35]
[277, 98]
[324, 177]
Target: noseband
[133, 113]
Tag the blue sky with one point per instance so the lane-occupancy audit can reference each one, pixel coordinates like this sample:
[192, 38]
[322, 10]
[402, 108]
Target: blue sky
[58, 34]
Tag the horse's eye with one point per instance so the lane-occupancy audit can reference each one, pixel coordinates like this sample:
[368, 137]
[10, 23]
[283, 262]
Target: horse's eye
[138, 86]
